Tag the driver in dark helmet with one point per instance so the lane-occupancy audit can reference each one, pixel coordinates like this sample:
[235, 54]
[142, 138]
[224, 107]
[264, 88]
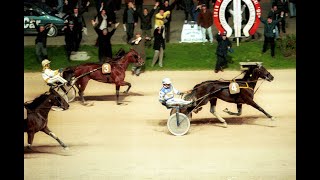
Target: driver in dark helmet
[166, 94]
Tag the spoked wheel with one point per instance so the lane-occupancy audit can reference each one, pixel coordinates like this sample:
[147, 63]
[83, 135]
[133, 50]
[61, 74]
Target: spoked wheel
[178, 124]
[70, 93]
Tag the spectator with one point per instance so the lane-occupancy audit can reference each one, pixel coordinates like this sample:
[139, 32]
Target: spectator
[60, 5]
[283, 6]
[101, 19]
[205, 22]
[70, 37]
[224, 45]
[138, 44]
[196, 10]
[158, 46]
[187, 7]
[160, 19]
[130, 20]
[139, 5]
[269, 33]
[41, 40]
[166, 94]
[110, 8]
[167, 7]
[77, 18]
[292, 8]
[274, 13]
[146, 23]
[104, 42]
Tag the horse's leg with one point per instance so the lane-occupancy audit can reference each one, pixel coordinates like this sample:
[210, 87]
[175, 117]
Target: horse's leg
[123, 83]
[239, 107]
[47, 131]
[117, 93]
[81, 85]
[255, 105]
[126, 84]
[213, 103]
[30, 138]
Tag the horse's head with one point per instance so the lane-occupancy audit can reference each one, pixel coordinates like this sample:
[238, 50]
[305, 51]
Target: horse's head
[57, 100]
[261, 72]
[134, 57]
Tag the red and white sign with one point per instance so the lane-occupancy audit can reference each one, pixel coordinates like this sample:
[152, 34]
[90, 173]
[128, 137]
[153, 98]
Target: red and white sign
[220, 21]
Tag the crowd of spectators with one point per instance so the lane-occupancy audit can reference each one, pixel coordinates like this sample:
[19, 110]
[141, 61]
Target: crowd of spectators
[155, 24]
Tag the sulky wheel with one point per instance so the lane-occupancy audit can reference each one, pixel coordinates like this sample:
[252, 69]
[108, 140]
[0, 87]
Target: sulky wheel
[178, 124]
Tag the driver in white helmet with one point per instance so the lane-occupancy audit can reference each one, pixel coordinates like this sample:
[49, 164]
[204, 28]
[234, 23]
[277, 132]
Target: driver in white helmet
[51, 76]
[166, 94]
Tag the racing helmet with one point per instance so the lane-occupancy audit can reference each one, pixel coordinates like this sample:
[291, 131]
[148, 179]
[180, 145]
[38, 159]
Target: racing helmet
[166, 81]
[45, 62]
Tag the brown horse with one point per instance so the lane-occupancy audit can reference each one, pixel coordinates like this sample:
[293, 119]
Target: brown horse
[210, 91]
[84, 72]
[37, 115]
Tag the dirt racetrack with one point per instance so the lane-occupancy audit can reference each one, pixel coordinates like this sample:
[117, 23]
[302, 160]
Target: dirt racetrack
[131, 141]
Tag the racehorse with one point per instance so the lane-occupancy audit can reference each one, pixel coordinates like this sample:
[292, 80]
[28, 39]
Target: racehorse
[210, 91]
[84, 72]
[37, 115]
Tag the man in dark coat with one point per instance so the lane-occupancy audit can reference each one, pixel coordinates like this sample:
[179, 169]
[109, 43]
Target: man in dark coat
[78, 20]
[158, 46]
[146, 22]
[69, 38]
[224, 45]
[270, 32]
[104, 42]
[130, 20]
[41, 41]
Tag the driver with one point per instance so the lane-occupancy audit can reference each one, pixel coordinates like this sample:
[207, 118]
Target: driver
[166, 94]
[51, 76]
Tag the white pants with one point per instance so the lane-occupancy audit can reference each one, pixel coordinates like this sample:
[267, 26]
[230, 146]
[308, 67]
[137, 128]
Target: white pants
[204, 33]
[174, 101]
[56, 78]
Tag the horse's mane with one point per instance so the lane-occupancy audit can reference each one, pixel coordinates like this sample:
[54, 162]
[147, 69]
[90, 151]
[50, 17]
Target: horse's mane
[37, 101]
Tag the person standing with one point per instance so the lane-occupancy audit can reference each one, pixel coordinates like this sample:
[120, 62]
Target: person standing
[292, 8]
[283, 6]
[130, 20]
[78, 20]
[104, 42]
[41, 40]
[69, 39]
[146, 22]
[138, 44]
[205, 21]
[270, 33]
[166, 7]
[224, 45]
[158, 46]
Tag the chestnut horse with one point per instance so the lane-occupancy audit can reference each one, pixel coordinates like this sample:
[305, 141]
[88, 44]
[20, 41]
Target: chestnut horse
[81, 74]
[210, 91]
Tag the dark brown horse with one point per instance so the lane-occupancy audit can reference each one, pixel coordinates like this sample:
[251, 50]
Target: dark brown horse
[37, 115]
[84, 72]
[210, 91]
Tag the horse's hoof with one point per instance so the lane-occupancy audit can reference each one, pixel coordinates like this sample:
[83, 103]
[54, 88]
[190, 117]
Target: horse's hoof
[273, 118]
[225, 125]
[66, 148]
